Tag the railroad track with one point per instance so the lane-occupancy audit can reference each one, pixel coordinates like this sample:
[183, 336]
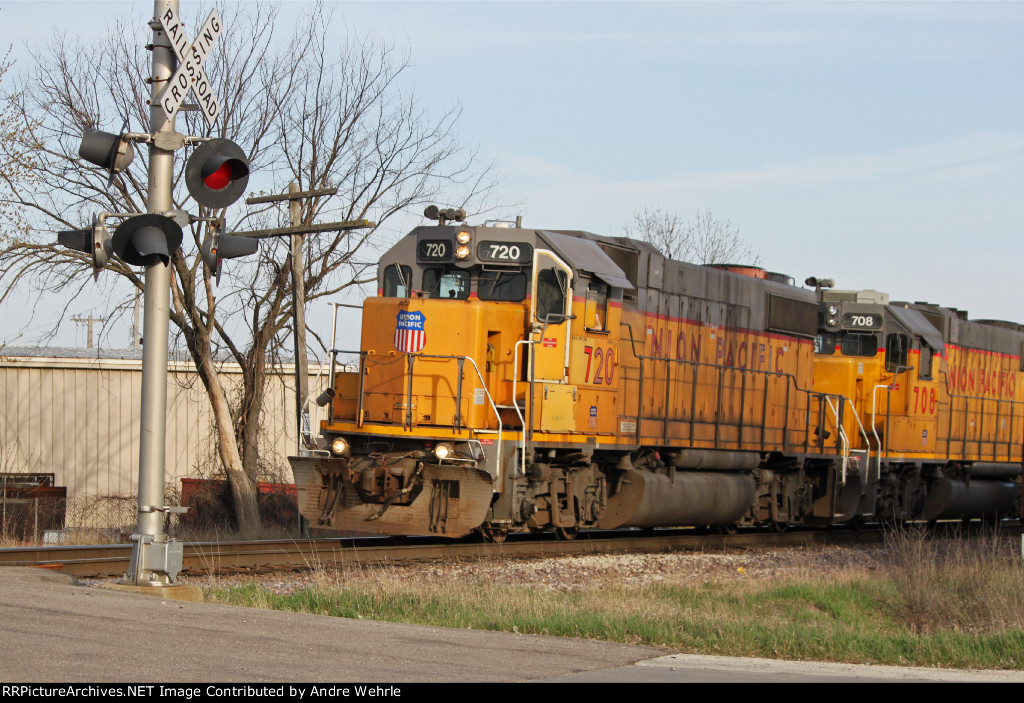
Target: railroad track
[99, 561]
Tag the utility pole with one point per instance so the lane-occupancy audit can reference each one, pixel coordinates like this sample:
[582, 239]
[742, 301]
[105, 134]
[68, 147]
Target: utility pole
[297, 233]
[298, 307]
[89, 321]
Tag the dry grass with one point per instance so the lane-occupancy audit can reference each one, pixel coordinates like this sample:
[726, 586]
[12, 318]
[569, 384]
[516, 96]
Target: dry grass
[972, 584]
[858, 605]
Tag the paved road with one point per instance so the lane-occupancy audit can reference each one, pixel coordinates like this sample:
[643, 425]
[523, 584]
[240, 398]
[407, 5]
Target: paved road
[54, 630]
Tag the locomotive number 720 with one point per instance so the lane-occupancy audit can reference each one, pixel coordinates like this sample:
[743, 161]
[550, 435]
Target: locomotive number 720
[604, 371]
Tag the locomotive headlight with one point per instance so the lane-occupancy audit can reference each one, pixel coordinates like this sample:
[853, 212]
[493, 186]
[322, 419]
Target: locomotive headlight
[444, 450]
[832, 322]
[340, 446]
[833, 310]
[463, 237]
[462, 252]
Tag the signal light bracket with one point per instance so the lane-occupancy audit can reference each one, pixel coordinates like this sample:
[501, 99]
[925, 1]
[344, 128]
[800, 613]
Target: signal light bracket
[94, 240]
[111, 152]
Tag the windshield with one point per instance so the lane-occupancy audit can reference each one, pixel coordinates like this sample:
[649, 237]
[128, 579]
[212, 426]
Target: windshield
[446, 283]
[502, 285]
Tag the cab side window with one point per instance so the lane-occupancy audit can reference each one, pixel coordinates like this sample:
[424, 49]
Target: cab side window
[597, 306]
[896, 348]
[552, 292]
[924, 369]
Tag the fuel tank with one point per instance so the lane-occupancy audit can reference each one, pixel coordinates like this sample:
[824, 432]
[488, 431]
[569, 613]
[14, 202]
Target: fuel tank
[689, 498]
[951, 499]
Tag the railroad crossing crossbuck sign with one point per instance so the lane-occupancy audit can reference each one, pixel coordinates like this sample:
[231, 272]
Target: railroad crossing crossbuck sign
[190, 74]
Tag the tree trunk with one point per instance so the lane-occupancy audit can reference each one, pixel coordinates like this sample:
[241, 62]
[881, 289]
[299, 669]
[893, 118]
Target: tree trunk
[243, 488]
[254, 388]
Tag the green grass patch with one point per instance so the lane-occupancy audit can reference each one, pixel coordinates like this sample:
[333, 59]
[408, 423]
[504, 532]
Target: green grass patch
[859, 617]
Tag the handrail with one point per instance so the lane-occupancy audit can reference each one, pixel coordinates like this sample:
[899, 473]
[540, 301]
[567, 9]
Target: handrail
[362, 373]
[966, 409]
[790, 380]
[874, 422]
[458, 396]
[458, 399]
[828, 397]
[310, 445]
[844, 450]
[867, 441]
[515, 403]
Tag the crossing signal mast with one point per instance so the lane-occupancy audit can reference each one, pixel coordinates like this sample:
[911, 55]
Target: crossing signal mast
[216, 176]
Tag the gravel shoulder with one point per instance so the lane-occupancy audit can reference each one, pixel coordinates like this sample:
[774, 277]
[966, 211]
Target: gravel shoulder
[569, 573]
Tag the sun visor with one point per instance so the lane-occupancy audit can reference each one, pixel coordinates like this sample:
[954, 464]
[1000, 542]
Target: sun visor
[918, 324]
[586, 255]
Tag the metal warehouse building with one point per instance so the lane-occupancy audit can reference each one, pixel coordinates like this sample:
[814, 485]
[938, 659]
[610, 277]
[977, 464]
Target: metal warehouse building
[75, 413]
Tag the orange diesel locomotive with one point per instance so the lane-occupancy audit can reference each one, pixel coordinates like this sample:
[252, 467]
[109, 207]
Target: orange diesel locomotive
[516, 379]
[939, 416]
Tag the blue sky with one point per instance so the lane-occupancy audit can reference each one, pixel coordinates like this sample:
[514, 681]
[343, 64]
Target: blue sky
[881, 144]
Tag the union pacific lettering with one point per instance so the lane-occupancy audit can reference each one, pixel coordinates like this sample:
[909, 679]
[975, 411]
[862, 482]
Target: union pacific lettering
[758, 354]
[976, 375]
[964, 379]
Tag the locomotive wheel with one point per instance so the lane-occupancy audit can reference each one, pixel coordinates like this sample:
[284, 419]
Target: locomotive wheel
[779, 527]
[566, 533]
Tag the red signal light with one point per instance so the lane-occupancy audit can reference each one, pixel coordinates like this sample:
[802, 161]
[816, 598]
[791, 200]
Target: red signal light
[219, 179]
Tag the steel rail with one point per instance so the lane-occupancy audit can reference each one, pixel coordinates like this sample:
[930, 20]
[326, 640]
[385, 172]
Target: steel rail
[101, 561]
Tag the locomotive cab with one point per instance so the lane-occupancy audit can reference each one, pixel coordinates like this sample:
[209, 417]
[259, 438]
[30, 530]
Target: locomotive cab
[883, 358]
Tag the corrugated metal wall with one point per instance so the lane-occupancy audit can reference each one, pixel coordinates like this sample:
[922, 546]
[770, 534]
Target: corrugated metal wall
[79, 419]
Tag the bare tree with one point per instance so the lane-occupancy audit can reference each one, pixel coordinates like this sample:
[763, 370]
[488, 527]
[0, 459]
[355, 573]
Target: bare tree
[16, 155]
[312, 112]
[703, 240]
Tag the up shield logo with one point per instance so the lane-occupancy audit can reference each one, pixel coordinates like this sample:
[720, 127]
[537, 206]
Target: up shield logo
[410, 336]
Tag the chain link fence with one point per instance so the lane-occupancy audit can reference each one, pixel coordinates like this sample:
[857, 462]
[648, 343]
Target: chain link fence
[30, 506]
